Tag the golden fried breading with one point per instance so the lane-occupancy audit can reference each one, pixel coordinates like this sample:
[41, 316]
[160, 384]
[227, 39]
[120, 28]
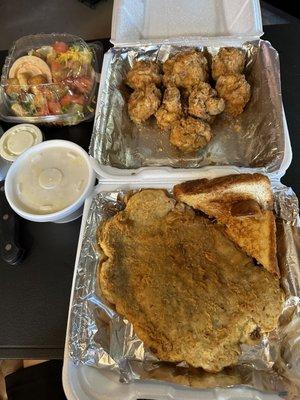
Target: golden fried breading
[189, 292]
[171, 109]
[143, 103]
[185, 69]
[235, 90]
[165, 119]
[171, 100]
[203, 101]
[143, 73]
[190, 134]
[228, 61]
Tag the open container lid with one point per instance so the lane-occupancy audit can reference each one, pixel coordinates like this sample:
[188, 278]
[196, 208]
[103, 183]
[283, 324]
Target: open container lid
[154, 21]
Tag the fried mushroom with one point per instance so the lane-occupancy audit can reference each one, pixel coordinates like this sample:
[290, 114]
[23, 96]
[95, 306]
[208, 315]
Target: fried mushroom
[228, 61]
[171, 100]
[203, 102]
[143, 73]
[190, 134]
[143, 103]
[171, 109]
[235, 90]
[185, 69]
[165, 119]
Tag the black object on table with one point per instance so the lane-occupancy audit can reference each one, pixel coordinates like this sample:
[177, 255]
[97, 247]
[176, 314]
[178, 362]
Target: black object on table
[10, 250]
[42, 381]
[34, 296]
[284, 39]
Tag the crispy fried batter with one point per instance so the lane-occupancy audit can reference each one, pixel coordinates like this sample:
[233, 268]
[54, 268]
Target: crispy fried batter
[185, 69]
[171, 109]
[190, 294]
[228, 61]
[235, 90]
[203, 101]
[165, 119]
[143, 103]
[143, 73]
[190, 134]
[171, 100]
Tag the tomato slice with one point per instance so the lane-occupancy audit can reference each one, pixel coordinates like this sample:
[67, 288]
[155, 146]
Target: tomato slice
[55, 66]
[54, 107]
[60, 47]
[83, 84]
[72, 98]
[43, 110]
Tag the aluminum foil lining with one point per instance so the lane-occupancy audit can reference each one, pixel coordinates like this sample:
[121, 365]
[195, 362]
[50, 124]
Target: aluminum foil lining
[253, 139]
[100, 337]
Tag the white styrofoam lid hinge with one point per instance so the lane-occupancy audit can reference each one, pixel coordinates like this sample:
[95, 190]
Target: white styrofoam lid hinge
[153, 21]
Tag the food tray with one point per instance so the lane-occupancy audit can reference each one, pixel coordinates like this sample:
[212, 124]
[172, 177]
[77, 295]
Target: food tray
[254, 140]
[90, 383]
[139, 24]
[67, 99]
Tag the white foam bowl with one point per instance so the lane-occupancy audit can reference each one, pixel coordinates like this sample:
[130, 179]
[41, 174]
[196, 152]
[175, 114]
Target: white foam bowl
[67, 214]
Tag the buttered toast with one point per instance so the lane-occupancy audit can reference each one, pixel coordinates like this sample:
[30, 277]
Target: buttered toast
[243, 203]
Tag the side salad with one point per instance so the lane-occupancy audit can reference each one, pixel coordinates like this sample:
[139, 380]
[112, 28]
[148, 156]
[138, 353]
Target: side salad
[52, 80]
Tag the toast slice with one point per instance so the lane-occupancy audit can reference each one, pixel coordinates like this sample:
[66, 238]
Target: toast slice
[244, 204]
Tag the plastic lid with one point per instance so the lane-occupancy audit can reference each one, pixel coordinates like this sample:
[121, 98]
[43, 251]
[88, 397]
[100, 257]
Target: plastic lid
[18, 139]
[152, 21]
[49, 179]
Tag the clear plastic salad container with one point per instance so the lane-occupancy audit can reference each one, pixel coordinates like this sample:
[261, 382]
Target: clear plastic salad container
[50, 79]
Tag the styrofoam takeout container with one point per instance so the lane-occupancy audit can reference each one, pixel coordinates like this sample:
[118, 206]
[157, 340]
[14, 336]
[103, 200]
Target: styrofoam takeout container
[67, 214]
[83, 382]
[196, 22]
[138, 22]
